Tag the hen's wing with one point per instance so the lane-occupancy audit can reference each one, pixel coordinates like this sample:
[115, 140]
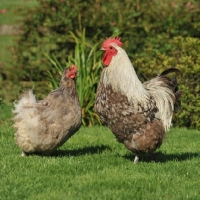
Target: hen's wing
[44, 125]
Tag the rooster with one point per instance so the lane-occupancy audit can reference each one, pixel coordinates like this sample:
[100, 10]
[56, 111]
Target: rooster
[42, 126]
[138, 114]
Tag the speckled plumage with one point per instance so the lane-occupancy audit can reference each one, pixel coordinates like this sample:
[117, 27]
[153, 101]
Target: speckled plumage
[42, 126]
[132, 125]
[138, 114]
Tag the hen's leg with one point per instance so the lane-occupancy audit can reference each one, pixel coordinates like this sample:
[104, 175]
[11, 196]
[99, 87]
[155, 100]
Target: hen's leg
[136, 159]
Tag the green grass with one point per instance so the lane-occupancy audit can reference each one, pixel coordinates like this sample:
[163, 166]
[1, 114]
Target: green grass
[12, 15]
[6, 42]
[92, 165]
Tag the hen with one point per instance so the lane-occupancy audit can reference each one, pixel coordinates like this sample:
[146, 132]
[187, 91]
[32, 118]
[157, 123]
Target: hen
[138, 114]
[42, 126]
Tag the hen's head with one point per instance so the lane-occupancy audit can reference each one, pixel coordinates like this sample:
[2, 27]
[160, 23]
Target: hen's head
[71, 72]
[109, 46]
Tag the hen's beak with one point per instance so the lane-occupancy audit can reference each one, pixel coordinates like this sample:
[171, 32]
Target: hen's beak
[102, 49]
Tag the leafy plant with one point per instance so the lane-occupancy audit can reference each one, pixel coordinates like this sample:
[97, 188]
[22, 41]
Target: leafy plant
[87, 58]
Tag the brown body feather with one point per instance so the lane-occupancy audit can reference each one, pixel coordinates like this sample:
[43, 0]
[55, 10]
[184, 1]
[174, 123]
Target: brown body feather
[140, 129]
[138, 114]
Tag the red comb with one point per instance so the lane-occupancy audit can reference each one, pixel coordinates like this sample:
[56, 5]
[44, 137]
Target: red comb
[71, 71]
[73, 67]
[109, 41]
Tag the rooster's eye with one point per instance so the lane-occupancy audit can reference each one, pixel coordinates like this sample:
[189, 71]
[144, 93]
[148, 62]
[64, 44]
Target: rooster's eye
[111, 47]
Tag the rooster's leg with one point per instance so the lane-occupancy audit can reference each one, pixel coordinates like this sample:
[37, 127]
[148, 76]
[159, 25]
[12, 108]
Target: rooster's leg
[136, 159]
[23, 153]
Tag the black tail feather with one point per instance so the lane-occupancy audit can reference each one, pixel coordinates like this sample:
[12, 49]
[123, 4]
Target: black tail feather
[170, 70]
[174, 86]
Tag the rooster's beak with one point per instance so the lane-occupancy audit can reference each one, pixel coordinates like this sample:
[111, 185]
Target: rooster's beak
[102, 49]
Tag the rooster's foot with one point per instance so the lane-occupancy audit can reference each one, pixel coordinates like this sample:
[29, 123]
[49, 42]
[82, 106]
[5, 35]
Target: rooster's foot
[136, 159]
[23, 153]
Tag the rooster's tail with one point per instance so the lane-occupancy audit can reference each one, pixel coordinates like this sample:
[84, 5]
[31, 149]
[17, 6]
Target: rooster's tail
[166, 94]
[173, 84]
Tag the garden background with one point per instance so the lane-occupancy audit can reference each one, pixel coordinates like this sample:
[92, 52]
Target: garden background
[40, 38]
[156, 35]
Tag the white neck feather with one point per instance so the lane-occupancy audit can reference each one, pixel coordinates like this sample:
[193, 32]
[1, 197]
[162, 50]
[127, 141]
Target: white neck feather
[121, 75]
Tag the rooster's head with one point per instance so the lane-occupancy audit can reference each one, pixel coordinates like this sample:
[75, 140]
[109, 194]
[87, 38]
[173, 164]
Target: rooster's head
[109, 46]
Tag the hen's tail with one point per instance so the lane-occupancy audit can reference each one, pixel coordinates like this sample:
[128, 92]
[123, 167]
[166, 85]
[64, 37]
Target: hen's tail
[26, 121]
[27, 99]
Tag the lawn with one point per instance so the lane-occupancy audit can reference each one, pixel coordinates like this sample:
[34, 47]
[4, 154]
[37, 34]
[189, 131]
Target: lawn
[6, 42]
[9, 15]
[92, 165]
[9, 10]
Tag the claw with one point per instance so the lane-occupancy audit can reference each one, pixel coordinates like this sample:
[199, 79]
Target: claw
[136, 159]
[23, 153]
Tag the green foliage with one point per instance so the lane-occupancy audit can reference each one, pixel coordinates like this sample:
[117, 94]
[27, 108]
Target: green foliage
[141, 24]
[92, 165]
[146, 27]
[184, 55]
[9, 10]
[87, 58]
[5, 112]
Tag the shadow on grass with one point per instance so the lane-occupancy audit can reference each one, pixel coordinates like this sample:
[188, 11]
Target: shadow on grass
[163, 157]
[81, 151]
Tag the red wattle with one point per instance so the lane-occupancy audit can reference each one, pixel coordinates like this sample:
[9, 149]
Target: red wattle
[106, 59]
